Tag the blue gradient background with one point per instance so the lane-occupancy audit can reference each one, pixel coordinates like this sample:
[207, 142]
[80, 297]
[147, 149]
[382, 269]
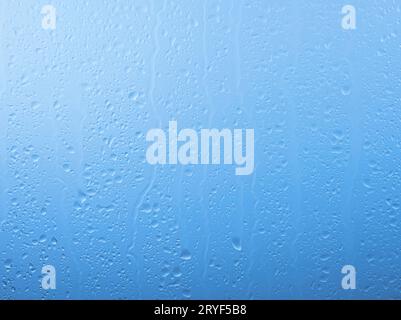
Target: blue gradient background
[77, 193]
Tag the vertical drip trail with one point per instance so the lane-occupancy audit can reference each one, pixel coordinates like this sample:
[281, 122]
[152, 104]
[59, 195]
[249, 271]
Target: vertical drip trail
[203, 183]
[133, 246]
